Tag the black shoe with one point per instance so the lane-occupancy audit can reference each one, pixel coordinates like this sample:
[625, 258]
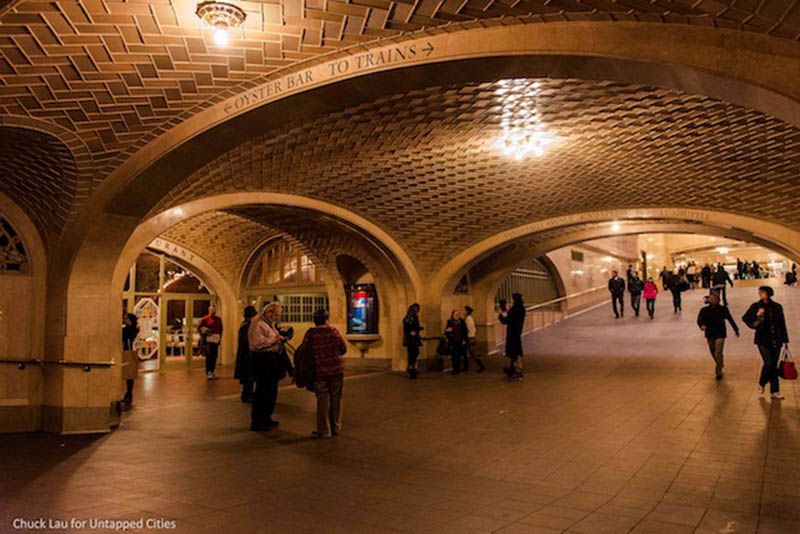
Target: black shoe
[455, 372]
[272, 423]
[259, 428]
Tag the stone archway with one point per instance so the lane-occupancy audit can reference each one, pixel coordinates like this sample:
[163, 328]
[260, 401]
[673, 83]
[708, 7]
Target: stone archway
[491, 261]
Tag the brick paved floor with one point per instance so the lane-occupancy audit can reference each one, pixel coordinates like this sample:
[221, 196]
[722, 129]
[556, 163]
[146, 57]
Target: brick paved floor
[619, 426]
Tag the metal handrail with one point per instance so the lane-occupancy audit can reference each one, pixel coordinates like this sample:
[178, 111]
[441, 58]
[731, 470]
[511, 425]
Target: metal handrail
[554, 301]
[566, 297]
[67, 363]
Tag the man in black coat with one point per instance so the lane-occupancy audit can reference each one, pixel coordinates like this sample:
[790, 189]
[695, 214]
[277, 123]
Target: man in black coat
[616, 286]
[705, 274]
[767, 319]
[719, 281]
[711, 321]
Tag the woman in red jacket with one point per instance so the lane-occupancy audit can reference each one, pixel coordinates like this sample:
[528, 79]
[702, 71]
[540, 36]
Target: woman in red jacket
[649, 293]
[328, 348]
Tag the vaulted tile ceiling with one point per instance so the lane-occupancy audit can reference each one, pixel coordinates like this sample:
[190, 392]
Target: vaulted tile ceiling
[424, 165]
[114, 73]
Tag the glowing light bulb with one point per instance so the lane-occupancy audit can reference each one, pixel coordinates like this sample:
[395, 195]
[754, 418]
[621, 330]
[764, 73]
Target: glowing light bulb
[615, 227]
[221, 36]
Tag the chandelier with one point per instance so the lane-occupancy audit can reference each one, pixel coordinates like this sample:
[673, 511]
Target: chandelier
[523, 132]
[221, 16]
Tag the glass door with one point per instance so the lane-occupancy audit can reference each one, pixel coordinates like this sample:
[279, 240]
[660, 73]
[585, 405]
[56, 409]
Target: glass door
[173, 341]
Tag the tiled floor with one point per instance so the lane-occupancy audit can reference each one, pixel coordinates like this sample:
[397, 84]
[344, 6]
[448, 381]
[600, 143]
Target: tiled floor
[619, 426]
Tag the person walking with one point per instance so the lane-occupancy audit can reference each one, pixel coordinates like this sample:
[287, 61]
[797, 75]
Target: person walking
[616, 286]
[664, 275]
[243, 369]
[635, 287]
[719, 282]
[268, 368]
[210, 329]
[771, 336]
[650, 292]
[328, 348]
[472, 341]
[629, 273]
[691, 274]
[456, 334]
[711, 321]
[705, 275]
[514, 319]
[130, 359]
[677, 284]
[412, 340]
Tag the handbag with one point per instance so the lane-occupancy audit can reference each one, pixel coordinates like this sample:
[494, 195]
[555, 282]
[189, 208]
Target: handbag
[213, 338]
[443, 349]
[786, 368]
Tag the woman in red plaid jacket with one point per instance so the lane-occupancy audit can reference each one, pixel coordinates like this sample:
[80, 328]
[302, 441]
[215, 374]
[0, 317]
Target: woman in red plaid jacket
[328, 348]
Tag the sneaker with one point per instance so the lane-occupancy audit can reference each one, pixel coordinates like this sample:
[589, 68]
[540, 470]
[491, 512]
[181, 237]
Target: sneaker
[214, 376]
[320, 435]
[777, 396]
[209, 376]
[760, 390]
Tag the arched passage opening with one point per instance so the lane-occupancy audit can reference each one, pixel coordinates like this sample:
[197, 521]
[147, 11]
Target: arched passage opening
[492, 262]
[226, 231]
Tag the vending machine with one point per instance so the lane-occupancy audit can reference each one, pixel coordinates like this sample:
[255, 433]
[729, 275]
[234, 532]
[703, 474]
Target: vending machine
[362, 309]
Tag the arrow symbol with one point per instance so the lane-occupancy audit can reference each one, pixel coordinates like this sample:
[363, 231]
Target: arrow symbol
[428, 49]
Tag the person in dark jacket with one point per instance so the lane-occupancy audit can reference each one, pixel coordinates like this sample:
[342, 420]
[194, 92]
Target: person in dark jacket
[705, 275]
[242, 371]
[616, 286]
[210, 330]
[635, 287]
[456, 334]
[328, 348]
[664, 275]
[719, 281]
[677, 285]
[767, 319]
[130, 330]
[514, 319]
[412, 340]
[711, 321]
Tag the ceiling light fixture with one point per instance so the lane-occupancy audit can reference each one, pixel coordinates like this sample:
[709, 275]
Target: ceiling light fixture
[523, 132]
[221, 16]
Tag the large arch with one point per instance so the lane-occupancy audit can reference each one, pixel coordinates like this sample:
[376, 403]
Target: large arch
[96, 279]
[499, 265]
[769, 234]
